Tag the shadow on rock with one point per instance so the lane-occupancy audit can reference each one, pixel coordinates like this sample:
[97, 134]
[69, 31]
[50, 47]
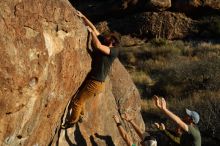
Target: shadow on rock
[108, 139]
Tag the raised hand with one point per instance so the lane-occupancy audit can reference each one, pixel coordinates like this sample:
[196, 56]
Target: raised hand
[89, 29]
[157, 101]
[79, 14]
[157, 125]
[163, 104]
[160, 126]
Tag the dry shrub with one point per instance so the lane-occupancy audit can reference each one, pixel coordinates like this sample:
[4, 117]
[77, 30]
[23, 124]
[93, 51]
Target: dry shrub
[183, 79]
[210, 26]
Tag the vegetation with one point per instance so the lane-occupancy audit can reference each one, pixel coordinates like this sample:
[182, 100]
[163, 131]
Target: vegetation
[186, 73]
[210, 26]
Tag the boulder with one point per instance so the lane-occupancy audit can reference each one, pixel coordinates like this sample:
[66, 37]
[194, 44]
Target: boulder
[146, 5]
[160, 4]
[185, 4]
[41, 45]
[44, 60]
[165, 24]
[214, 4]
[101, 10]
[195, 7]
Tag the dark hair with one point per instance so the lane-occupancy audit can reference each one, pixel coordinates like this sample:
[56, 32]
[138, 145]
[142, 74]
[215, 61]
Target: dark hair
[111, 38]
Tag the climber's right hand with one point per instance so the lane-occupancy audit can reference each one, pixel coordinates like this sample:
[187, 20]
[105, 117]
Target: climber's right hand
[89, 29]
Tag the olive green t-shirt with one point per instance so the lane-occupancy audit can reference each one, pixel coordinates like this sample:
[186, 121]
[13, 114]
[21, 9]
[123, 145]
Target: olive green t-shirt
[101, 63]
[192, 137]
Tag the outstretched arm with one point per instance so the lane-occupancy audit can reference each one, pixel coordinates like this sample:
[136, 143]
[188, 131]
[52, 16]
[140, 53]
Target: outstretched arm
[122, 132]
[137, 129]
[88, 23]
[161, 104]
[176, 139]
[134, 125]
[97, 44]
[162, 127]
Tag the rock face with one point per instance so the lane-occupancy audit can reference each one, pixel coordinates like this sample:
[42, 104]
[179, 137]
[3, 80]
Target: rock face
[41, 45]
[43, 62]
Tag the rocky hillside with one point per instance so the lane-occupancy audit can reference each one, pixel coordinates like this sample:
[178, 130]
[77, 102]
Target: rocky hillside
[170, 19]
[115, 8]
[44, 60]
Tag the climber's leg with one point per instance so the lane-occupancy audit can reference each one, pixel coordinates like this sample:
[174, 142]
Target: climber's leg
[91, 89]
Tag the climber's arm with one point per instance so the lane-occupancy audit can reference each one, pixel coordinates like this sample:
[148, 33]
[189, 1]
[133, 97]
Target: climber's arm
[125, 135]
[137, 129]
[176, 139]
[97, 44]
[122, 132]
[162, 128]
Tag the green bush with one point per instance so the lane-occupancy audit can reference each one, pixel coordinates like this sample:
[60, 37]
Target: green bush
[158, 42]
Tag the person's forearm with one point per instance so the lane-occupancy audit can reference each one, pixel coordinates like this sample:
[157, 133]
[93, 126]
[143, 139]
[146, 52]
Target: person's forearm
[97, 44]
[124, 135]
[137, 129]
[172, 137]
[90, 24]
[176, 119]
